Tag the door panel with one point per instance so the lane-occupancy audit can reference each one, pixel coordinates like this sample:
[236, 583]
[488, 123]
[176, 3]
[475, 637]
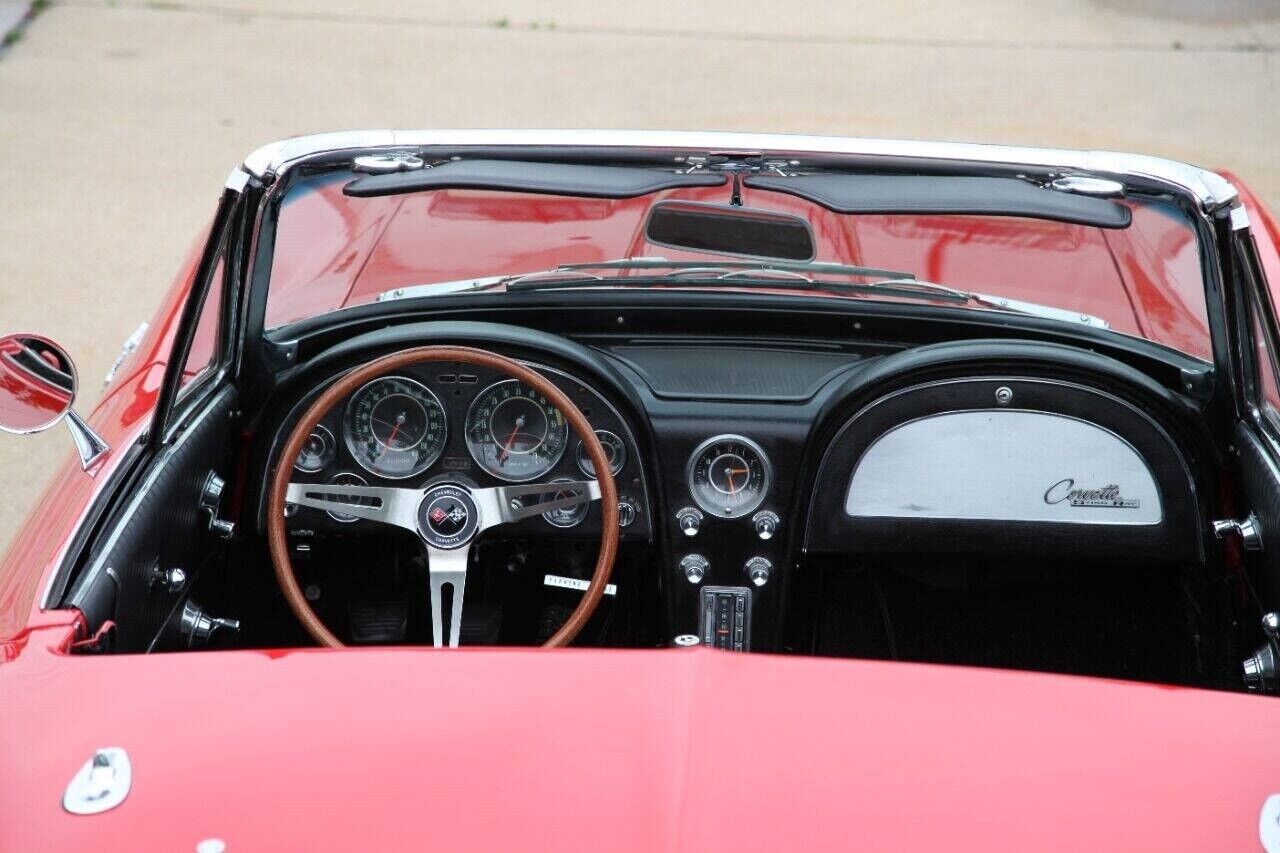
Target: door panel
[161, 525]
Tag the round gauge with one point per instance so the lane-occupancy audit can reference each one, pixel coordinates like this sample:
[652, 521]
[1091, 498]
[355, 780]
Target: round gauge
[570, 516]
[318, 451]
[729, 475]
[346, 479]
[614, 450]
[394, 427]
[515, 433]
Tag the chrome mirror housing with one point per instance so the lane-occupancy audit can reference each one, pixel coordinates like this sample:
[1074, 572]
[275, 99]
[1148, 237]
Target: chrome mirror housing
[38, 384]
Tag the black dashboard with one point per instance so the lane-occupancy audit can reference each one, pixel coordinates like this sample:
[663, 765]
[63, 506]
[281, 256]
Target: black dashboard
[723, 449]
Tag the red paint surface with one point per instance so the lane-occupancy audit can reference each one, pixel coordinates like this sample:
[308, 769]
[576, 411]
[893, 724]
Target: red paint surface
[120, 417]
[333, 251]
[676, 750]
[609, 750]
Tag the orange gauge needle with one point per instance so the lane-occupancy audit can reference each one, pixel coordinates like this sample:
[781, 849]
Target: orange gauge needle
[729, 472]
[506, 448]
[395, 429]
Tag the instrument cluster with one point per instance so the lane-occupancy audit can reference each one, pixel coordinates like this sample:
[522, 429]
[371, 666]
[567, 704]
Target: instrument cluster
[432, 423]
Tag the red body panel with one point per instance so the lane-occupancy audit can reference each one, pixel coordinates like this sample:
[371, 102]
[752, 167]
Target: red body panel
[614, 750]
[120, 417]
[596, 750]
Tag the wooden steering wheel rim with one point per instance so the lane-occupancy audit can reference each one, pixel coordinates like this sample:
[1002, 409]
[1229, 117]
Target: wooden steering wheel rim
[277, 540]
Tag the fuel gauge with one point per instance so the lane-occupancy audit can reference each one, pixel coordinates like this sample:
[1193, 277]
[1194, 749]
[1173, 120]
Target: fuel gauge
[317, 452]
[614, 450]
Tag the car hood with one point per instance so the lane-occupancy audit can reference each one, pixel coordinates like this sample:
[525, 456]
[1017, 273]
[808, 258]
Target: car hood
[623, 750]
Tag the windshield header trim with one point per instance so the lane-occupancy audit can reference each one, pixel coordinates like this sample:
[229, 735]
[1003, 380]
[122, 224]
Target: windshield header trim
[1209, 189]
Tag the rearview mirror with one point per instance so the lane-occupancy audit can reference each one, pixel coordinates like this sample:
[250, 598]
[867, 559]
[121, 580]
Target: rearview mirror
[38, 386]
[730, 230]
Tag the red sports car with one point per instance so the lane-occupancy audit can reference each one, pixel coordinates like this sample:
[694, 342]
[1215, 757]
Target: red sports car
[875, 495]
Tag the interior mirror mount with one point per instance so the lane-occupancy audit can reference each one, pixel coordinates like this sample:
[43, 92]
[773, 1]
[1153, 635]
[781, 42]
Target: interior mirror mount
[38, 384]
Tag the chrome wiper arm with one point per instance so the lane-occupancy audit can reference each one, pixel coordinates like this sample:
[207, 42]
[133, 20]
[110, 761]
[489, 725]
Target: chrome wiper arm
[563, 275]
[739, 274]
[931, 290]
[827, 267]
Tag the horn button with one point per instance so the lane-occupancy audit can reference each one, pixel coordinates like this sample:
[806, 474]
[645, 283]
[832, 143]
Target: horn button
[447, 517]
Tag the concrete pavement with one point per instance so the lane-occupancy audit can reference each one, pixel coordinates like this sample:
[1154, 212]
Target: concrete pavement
[120, 120]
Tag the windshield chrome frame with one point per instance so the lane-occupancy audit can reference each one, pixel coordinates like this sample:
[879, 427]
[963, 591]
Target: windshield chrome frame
[1210, 190]
[1205, 195]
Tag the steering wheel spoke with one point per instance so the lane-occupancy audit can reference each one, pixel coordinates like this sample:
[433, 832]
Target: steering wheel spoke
[448, 575]
[397, 507]
[507, 504]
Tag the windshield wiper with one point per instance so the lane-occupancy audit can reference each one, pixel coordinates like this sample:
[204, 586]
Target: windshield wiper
[653, 263]
[577, 273]
[748, 274]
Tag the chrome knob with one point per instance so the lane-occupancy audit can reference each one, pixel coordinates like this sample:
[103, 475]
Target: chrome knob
[1248, 529]
[690, 520]
[627, 511]
[758, 570]
[170, 580]
[695, 568]
[766, 524]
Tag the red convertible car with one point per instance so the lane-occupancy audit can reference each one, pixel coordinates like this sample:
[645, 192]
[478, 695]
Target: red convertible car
[875, 496]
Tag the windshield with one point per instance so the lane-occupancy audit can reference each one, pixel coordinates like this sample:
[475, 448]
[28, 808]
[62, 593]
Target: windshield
[334, 251]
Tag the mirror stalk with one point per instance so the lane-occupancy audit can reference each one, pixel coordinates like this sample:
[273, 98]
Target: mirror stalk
[89, 445]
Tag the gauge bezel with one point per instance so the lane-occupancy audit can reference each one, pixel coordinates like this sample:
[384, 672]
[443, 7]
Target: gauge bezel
[471, 449]
[333, 452]
[744, 509]
[421, 466]
[615, 468]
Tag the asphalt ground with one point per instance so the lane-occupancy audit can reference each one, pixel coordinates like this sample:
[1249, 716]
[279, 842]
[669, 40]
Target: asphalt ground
[120, 120]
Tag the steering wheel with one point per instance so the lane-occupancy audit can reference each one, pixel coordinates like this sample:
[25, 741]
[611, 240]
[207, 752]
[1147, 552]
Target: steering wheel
[446, 516]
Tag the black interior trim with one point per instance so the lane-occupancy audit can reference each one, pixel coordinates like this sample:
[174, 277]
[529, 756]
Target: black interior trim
[525, 177]
[889, 194]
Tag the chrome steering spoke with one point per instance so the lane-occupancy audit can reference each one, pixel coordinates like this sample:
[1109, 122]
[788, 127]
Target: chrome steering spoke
[507, 504]
[448, 574]
[397, 507]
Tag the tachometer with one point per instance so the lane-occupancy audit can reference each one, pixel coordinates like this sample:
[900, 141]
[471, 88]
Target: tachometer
[729, 475]
[395, 427]
[515, 433]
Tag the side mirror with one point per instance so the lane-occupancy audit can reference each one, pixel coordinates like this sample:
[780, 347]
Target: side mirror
[38, 386]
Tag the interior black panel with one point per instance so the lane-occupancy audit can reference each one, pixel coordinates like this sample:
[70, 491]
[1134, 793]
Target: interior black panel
[161, 526]
[1261, 482]
[730, 372]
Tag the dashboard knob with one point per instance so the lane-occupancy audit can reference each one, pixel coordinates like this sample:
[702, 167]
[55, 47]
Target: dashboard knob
[690, 520]
[758, 570]
[766, 524]
[627, 511]
[695, 567]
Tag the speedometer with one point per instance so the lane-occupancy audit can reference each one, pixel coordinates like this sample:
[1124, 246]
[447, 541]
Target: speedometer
[394, 427]
[514, 432]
